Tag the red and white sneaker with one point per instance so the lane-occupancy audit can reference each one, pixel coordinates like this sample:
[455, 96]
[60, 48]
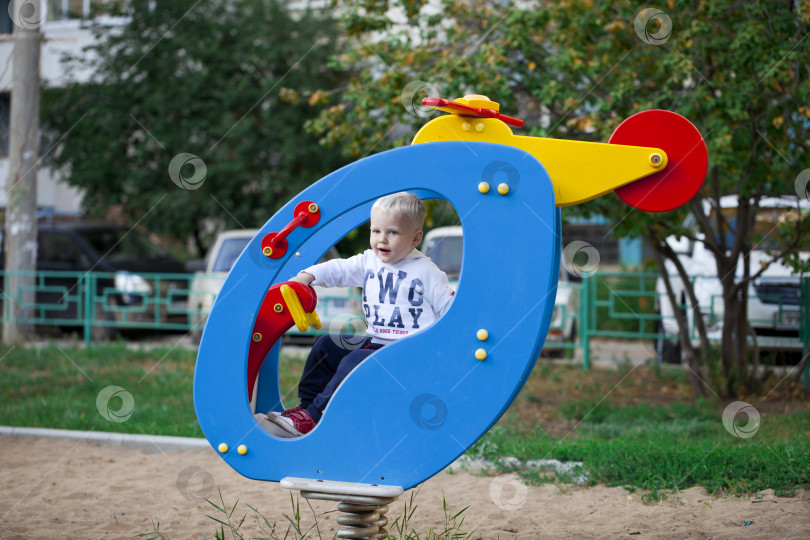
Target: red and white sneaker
[264, 421]
[285, 412]
[298, 423]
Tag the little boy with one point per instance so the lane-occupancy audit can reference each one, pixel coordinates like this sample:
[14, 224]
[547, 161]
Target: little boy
[403, 293]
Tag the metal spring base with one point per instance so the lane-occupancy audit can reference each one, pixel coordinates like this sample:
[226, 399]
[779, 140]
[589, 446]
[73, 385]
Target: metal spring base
[363, 516]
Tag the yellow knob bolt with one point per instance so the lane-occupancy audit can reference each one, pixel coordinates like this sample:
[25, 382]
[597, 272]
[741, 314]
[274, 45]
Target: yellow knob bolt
[278, 308]
[482, 334]
[656, 160]
[257, 337]
[466, 126]
[242, 449]
[480, 354]
[503, 189]
[479, 127]
[223, 448]
[483, 187]
[267, 251]
[313, 208]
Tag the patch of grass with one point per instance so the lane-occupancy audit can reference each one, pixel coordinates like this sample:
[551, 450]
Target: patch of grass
[400, 527]
[605, 421]
[689, 428]
[59, 387]
[298, 527]
[657, 463]
[641, 430]
[660, 454]
[785, 426]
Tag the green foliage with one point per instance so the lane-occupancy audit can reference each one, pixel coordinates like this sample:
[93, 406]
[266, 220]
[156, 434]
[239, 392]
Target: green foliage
[230, 82]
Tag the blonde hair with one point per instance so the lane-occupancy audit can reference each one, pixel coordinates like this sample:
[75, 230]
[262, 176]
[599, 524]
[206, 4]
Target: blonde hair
[403, 205]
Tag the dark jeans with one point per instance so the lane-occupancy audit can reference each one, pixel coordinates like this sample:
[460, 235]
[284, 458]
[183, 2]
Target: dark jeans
[331, 359]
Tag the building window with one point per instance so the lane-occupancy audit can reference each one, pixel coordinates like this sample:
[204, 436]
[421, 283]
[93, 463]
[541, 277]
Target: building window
[6, 26]
[62, 10]
[597, 235]
[5, 122]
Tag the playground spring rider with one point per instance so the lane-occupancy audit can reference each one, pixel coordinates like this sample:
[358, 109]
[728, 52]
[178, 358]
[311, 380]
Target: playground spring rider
[414, 406]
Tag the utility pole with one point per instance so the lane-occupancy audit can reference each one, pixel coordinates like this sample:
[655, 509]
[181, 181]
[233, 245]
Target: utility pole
[21, 184]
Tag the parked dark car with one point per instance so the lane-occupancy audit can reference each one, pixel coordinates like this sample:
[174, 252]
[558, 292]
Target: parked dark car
[122, 261]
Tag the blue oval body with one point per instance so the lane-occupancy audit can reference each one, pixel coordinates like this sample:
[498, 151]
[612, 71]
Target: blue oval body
[414, 406]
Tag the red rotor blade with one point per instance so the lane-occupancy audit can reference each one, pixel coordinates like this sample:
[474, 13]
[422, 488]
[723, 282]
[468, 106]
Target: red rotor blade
[467, 110]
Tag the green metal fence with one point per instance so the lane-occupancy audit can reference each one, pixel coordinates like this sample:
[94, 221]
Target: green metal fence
[619, 305]
[98, 303]
[624, 306]
[615, 305]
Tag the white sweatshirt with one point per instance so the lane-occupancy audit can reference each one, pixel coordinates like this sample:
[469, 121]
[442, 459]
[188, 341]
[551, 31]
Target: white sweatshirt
[399, 299]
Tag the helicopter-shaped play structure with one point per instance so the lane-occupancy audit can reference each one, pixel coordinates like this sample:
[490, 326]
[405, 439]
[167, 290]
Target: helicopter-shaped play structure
[414, 406]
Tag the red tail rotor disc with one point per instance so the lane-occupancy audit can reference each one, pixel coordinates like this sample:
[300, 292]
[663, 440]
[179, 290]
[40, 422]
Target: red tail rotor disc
[688, 160]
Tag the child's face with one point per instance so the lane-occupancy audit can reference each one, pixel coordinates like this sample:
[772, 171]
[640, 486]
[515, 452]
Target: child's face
[392, 238]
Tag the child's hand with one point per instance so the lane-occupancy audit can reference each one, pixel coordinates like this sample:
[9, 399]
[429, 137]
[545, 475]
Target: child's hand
[304, 278]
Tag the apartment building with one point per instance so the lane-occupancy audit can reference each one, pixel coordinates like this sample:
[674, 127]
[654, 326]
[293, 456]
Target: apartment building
[65, 29]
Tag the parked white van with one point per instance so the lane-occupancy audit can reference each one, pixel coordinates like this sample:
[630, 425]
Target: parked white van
[338, 307]
[773, 298]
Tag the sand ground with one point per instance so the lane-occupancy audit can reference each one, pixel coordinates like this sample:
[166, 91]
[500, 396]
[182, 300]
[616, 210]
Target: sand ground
[63, 488]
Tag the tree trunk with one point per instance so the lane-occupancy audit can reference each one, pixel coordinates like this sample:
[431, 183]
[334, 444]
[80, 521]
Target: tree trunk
[690, 356]
[697, 317]
[729, 347]
[735, 334]
[21, 184]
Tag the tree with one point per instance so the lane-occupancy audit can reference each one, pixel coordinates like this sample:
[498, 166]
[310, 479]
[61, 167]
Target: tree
[21, 184]
[575, 69]
[192, 119]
